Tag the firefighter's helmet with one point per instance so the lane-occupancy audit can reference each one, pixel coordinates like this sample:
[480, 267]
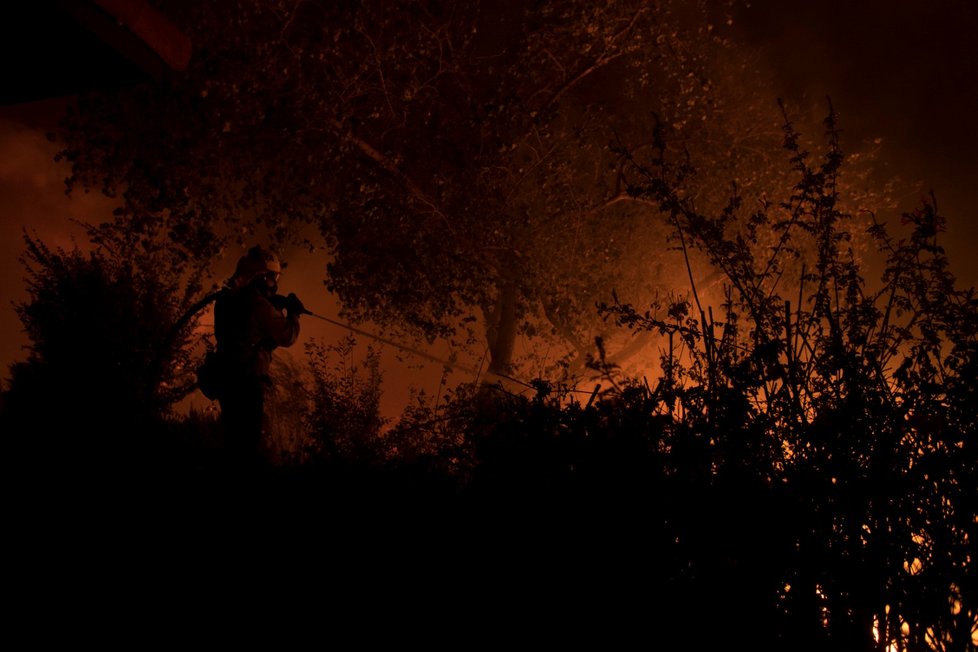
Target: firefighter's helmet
[256, 262]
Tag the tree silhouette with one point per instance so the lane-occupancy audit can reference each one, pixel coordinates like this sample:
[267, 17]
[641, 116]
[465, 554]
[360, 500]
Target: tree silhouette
[454, 158]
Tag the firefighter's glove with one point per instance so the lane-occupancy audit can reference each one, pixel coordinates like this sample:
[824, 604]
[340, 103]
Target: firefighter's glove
[293, 306]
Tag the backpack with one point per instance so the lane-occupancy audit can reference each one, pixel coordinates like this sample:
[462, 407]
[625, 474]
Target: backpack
[213, 375]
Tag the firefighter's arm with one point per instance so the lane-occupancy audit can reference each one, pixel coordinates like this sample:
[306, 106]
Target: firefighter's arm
[280, 328]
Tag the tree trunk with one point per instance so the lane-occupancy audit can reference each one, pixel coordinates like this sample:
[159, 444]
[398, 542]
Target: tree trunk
[501, 330]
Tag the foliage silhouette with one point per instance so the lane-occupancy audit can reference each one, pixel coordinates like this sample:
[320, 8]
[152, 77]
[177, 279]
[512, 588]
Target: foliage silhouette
[800, 476]
[806, 463]
[845, 402]
[95, 395]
